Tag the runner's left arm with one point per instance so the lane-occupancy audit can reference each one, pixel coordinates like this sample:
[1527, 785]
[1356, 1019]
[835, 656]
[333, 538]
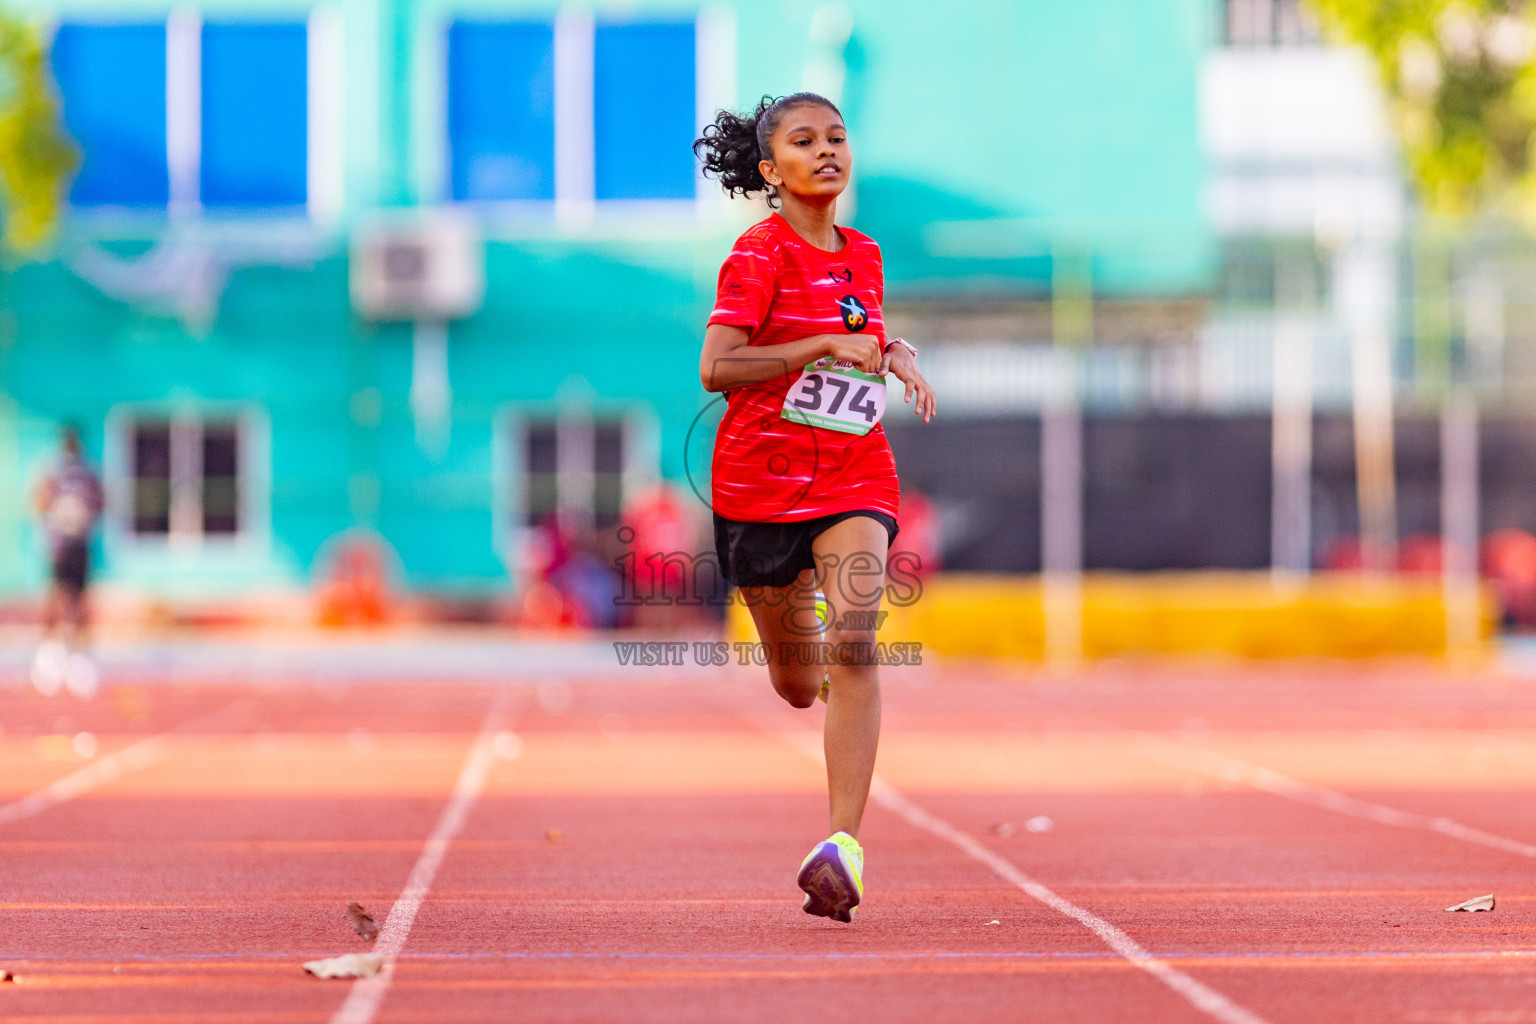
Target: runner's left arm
[42, 493]
[901, 363]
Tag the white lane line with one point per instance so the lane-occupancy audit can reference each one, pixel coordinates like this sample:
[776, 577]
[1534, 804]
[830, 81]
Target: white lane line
[1267, 780]
[367, 994]
[1201, 996]
[107, 770]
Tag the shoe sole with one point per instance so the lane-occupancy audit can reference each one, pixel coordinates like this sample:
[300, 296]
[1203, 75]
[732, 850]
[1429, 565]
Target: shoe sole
[829, 890]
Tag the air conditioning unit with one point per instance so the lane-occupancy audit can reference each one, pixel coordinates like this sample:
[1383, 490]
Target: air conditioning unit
[430, 266]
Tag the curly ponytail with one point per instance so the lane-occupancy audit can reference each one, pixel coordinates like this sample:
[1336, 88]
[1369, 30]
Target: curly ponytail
[732, 146]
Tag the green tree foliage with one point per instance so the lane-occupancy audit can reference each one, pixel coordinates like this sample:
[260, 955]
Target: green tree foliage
[36, 157]
[1461, 80]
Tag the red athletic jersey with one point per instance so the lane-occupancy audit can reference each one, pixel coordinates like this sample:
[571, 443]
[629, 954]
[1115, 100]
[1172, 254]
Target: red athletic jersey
[781, 288]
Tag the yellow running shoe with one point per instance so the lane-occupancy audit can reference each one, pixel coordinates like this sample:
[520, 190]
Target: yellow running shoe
[832, 876]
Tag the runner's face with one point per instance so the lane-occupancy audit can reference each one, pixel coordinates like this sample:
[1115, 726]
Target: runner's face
[811, 158]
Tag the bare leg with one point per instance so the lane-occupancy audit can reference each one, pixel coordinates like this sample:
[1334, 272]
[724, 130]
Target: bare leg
[850, 558]
[785, 618]
[75, 618]
[48, 664]
[53, 608]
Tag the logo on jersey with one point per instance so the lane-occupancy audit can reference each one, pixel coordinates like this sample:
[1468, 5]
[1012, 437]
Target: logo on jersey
[855, 316]
[845, 275]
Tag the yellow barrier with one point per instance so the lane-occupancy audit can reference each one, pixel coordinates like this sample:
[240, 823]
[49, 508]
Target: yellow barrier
[1231, 613]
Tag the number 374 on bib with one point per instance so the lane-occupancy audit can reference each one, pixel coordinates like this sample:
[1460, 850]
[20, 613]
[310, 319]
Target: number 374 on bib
[836, 397]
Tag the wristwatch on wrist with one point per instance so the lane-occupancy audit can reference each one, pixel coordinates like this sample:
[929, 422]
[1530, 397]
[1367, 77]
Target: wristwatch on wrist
[904, 343]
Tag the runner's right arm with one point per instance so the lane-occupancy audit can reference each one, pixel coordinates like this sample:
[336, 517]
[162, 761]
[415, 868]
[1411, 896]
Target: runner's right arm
[730, 361]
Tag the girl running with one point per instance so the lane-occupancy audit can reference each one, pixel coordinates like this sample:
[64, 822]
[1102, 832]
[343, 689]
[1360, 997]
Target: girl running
[804, 484]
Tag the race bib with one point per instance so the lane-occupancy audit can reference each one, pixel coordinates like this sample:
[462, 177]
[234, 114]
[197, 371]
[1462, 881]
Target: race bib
[836, 397]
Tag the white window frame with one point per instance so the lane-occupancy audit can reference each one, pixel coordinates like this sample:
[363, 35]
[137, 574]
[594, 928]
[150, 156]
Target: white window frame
[509, 505]
[575, 209]
[325, 115]
[254, 525]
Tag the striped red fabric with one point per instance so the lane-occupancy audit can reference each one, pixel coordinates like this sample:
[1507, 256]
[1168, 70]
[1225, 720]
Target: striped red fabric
[781, 288]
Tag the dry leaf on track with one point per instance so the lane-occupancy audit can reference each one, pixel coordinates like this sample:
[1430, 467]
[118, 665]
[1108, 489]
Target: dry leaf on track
[352, 965]
[366, 926]
[1481, 903]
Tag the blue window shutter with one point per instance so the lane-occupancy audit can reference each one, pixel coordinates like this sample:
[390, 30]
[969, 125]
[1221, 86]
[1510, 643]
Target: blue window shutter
[112, 82]
[501, 110]
[255, 149]
[643, 111]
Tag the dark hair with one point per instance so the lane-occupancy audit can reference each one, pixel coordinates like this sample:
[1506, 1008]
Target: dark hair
[732, 146]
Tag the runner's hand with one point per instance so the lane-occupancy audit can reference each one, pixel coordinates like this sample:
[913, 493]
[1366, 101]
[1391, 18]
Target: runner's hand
[900, 362]
[860, 350]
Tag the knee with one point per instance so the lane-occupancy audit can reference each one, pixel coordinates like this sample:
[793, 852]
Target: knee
[798, 689]
[801, 699]
[853, 648]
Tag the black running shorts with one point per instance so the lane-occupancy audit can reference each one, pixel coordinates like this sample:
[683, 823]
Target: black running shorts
[72, 565]
[773, 554]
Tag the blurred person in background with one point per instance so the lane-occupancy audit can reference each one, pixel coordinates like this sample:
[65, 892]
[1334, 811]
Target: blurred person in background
[916, 552]
[671, 588]
[804, 483]
[68, 504]
[573, 584]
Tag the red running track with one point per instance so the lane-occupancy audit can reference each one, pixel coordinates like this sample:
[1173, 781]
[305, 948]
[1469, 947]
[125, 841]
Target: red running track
[1273, 839]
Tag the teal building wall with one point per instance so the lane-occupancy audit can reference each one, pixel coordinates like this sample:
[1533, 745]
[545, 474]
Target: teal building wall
[989, 138]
